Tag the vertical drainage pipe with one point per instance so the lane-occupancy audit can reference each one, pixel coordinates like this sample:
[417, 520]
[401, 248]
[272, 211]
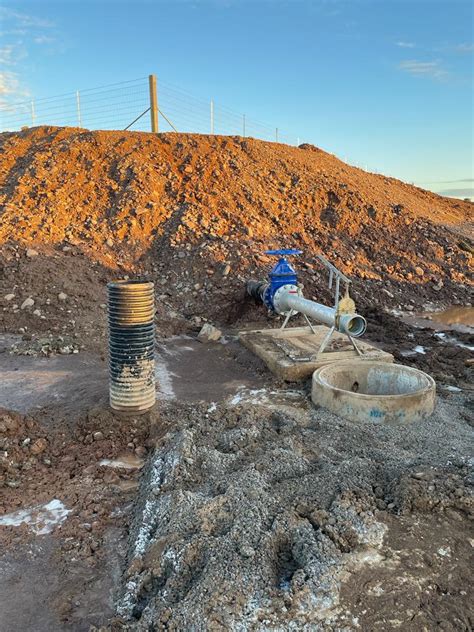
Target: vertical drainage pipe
[131, 311]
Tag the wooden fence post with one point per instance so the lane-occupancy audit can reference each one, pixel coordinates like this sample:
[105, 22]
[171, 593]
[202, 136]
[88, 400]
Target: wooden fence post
[153, 103]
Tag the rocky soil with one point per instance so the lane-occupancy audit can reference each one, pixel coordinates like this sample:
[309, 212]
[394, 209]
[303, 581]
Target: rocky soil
[41, 460]
[244, 508]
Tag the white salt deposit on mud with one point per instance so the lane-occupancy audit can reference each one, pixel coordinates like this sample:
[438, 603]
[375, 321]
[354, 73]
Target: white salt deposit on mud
[419, 349]
[41, 519]
[164, 380]
[253, 517]
[451, 339]
[267, 397]
[126, 462]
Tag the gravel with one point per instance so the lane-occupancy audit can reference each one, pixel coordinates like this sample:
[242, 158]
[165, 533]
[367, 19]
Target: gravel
[248, 517]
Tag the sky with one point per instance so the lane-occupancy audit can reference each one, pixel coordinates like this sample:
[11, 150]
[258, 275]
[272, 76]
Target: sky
[384, 84]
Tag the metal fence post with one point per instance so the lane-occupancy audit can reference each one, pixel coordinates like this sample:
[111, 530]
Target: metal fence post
[212, 116]
[153, 103]
[276, 134]
[243, 125]
[33, 114]
[78, 106]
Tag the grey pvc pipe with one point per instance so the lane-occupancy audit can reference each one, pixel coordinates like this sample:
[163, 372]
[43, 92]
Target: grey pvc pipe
[350, 324]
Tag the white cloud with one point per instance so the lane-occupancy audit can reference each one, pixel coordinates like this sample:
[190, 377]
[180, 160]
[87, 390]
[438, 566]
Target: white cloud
[13, 32]
[43, 39]
[11, 54]
[406, 44]
[10, 89]
[9, 83]
[431, 69]
[22, 30]
[6, 55]
[24, 20]
[464, 48]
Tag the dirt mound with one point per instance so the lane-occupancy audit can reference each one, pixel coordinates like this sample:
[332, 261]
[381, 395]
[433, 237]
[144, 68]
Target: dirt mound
[195, 213]
[133, 188]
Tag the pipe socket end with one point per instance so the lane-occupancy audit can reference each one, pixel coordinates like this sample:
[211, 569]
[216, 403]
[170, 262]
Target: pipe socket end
[352, 324]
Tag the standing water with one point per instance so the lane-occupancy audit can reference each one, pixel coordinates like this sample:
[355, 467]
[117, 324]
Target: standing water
[455, 315]
[455, 318]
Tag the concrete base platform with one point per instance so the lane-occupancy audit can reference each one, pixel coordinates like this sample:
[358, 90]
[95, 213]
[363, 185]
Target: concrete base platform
[291, 353]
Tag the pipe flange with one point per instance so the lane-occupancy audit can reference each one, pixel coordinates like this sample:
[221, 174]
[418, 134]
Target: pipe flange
[278, 300]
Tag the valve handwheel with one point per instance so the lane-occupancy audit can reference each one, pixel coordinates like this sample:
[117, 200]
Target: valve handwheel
[283, 252]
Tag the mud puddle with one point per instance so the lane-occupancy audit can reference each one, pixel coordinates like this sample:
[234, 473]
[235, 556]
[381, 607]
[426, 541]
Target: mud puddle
[454, 318]
[41, 594]
[68, 382]
[187, 370]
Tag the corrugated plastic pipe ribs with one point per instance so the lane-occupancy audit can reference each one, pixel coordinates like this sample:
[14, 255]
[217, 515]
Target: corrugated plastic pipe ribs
[131, 314]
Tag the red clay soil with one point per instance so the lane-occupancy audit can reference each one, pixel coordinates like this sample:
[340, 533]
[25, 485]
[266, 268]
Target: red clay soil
[39, 462]
[195, 213]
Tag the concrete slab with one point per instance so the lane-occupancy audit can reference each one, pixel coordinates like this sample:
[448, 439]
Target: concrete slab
[291, 353]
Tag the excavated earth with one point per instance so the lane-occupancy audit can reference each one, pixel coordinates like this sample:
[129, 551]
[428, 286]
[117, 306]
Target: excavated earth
[236, 504]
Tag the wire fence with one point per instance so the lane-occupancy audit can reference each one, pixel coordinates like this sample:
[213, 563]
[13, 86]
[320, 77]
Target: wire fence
[127, 105]
[107, 107]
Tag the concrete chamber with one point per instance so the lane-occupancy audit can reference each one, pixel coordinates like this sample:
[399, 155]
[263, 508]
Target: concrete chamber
[375, 392]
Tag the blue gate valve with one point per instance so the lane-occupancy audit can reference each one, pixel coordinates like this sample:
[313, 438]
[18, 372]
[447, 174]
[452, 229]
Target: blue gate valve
[282, 273]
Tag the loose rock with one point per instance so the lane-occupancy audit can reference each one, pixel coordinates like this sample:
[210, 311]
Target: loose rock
[209, 333]
[28, 302]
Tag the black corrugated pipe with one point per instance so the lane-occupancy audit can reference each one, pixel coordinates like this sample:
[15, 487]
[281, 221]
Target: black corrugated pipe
[131, 312]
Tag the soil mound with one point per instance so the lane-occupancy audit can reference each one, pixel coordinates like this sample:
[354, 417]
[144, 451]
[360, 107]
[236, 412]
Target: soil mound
[88, 187]
[195, 213]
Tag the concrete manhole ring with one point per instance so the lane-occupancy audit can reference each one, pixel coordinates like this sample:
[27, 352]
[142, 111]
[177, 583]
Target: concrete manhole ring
[375, 392]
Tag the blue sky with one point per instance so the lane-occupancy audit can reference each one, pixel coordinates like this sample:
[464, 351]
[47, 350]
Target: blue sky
[384, 84]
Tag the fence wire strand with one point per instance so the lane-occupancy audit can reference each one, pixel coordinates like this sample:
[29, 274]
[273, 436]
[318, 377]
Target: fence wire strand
[124, 105]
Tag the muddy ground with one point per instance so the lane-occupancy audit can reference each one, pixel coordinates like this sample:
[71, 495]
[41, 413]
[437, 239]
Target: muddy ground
[236, 504]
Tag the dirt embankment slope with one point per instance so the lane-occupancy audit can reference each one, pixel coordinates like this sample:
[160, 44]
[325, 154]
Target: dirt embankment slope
[195, 214]
[66, 183]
